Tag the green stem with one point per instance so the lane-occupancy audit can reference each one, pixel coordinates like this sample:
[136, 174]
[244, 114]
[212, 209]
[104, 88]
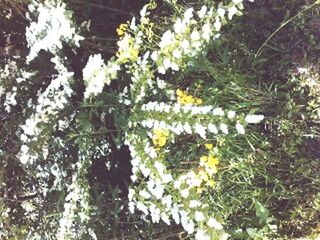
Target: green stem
[284, 24]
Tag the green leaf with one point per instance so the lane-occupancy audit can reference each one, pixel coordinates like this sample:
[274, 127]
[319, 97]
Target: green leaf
[261, 212]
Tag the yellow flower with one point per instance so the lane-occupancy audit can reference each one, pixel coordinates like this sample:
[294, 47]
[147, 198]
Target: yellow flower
[189, 99]
[159, 141]
[184, 98]
[133, 53]
[160, 137]
[203, 159]
[122, 29]
[203, 175]
[212, 162]
[211, 183]
[198, 101]
[199, 190]
[179, 92]
[208, 146]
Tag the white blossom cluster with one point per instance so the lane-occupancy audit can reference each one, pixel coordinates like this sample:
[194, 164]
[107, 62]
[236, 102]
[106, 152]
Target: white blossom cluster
[77, 206]
[160, 183]
[177, 47]
[166, 196]
[49, 103]
[53, 26]
[96, 74]
[190, 34]
[158, 192]
[10, 79]
[127, 54]
[201, 119]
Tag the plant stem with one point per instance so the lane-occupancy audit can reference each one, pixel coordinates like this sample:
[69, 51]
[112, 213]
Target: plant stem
[284, 24]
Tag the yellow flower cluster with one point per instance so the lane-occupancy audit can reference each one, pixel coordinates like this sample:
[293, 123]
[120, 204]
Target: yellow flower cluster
[184, 98]
[210, 162]
[208, 146]
[160, 137]
[148, 27]
[206, 174]
[122, 29]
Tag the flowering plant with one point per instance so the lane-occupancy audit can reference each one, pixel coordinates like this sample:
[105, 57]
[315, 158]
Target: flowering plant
[172, 95]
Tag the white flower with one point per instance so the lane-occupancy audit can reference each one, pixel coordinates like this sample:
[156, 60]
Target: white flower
[167, 200]
[212, 128]
[302, 70]
[167, 178]
[160, 167]
[195, 35]
[194, 181]
[131, 207]
[150, 185]
[134, 178]
[202, 11]
[240, 128]
[254, 118]
[188, 226]
[224, 128]
[188, 14]
[212, 222]
[176, 108]
[94, 75]
[206, 31]
[218, 112]
[231, 114]
[232, 11]
[145, 171]
[161, 70]
[187, 128]
[184, 193]
[166, 39]
[165, 218]
[201, 235]
[179, 26]
[154, 56]
[177, 184]
[133, 25]
[155, 213]
[161, 84]
[217, 24]
[158, 190]
[166, 63]
[201, 130]
[221, 12]
[176, 53]
[194, 204]
[175, 214]
[131, 194]
[142, 208]
[143, 193]
[177, 128]
[199, 217]
[237, 1]
[53, 26]
[143, 11]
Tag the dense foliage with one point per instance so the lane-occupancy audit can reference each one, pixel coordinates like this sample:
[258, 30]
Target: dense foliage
[159, 119]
